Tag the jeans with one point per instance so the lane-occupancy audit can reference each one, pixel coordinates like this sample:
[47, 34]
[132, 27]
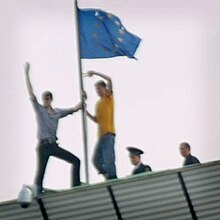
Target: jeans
[44, 151]
[104, 156]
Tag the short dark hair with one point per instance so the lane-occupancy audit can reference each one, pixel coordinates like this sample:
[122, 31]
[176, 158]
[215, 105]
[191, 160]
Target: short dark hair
[186, 145]
[101, 83]
[48, 94]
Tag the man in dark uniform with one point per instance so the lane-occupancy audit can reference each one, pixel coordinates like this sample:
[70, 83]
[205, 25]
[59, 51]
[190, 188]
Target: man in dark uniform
[185, 152]
[135, 157]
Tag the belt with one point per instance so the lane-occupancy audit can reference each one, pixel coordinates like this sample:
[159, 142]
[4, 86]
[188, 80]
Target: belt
[48, 141]
[108, 134]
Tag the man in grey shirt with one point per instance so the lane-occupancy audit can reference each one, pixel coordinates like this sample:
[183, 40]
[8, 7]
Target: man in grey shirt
[47, 118]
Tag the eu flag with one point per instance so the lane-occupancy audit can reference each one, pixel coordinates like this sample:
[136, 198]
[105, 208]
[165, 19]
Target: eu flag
[102, 35]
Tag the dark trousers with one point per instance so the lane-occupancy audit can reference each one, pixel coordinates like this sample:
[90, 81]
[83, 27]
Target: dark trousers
[44, 151]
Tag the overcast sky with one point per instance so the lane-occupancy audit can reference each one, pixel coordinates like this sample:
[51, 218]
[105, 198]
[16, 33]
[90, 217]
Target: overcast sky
[171, 94]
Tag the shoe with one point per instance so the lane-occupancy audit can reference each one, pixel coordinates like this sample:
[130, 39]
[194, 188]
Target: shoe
[37, 191]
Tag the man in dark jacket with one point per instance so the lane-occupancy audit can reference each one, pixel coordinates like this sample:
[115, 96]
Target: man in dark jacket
[135, 157]
[185, 152]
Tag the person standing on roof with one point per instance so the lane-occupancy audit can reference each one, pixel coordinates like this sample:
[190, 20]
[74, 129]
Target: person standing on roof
[47, 118]
[135, 158]
[104, 155]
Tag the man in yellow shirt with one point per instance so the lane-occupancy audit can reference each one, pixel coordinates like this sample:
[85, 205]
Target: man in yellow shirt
[104, 155]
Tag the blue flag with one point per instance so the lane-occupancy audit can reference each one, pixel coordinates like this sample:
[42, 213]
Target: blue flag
[102, 35]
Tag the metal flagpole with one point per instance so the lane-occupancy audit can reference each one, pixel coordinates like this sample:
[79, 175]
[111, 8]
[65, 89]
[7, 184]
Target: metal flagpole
[84, 121]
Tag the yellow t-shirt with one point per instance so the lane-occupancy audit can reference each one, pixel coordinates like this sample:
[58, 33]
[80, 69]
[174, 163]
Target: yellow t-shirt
[105, 115]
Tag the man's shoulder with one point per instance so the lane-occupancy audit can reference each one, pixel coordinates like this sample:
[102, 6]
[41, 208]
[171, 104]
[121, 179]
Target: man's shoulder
[192, 157]
[35, 102]
[107, 97]
[195, 158]
[141, 167]
[191, 160]
[57, 110]
[110, 95]
[147, 167]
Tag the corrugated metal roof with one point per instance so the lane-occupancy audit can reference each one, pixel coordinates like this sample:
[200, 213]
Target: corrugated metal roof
[167, 195]
[87, 204]
[203, 185]
[12, 211]
[153, 198]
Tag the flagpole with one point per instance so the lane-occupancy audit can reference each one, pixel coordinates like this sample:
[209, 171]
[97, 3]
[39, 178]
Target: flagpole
[84, 121]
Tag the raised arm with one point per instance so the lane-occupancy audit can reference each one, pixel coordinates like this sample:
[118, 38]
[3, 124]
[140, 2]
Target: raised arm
[28, 81]
[107, 78]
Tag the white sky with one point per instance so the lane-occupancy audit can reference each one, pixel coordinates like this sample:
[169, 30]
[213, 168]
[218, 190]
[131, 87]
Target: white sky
[169, 95]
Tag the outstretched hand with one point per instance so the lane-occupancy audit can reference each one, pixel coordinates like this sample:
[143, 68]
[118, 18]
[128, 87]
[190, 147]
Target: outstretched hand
[90, 73]
[83, 94]
[26, 67]
[78, 106]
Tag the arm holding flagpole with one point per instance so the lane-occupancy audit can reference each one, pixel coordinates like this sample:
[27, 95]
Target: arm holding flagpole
[93, 118]
[83, 97]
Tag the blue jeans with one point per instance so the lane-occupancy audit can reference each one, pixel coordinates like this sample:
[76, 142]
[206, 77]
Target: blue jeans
[104, 156]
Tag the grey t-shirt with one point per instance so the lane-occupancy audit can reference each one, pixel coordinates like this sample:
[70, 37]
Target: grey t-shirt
[48, 122]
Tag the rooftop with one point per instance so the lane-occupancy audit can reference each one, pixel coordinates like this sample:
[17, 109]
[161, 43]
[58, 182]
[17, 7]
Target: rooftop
[188, 193]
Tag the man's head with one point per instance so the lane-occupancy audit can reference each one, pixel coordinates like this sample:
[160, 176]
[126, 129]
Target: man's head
[101, 88]
[185, 149]
[135, 160]
[135, 155]
[47, 98]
